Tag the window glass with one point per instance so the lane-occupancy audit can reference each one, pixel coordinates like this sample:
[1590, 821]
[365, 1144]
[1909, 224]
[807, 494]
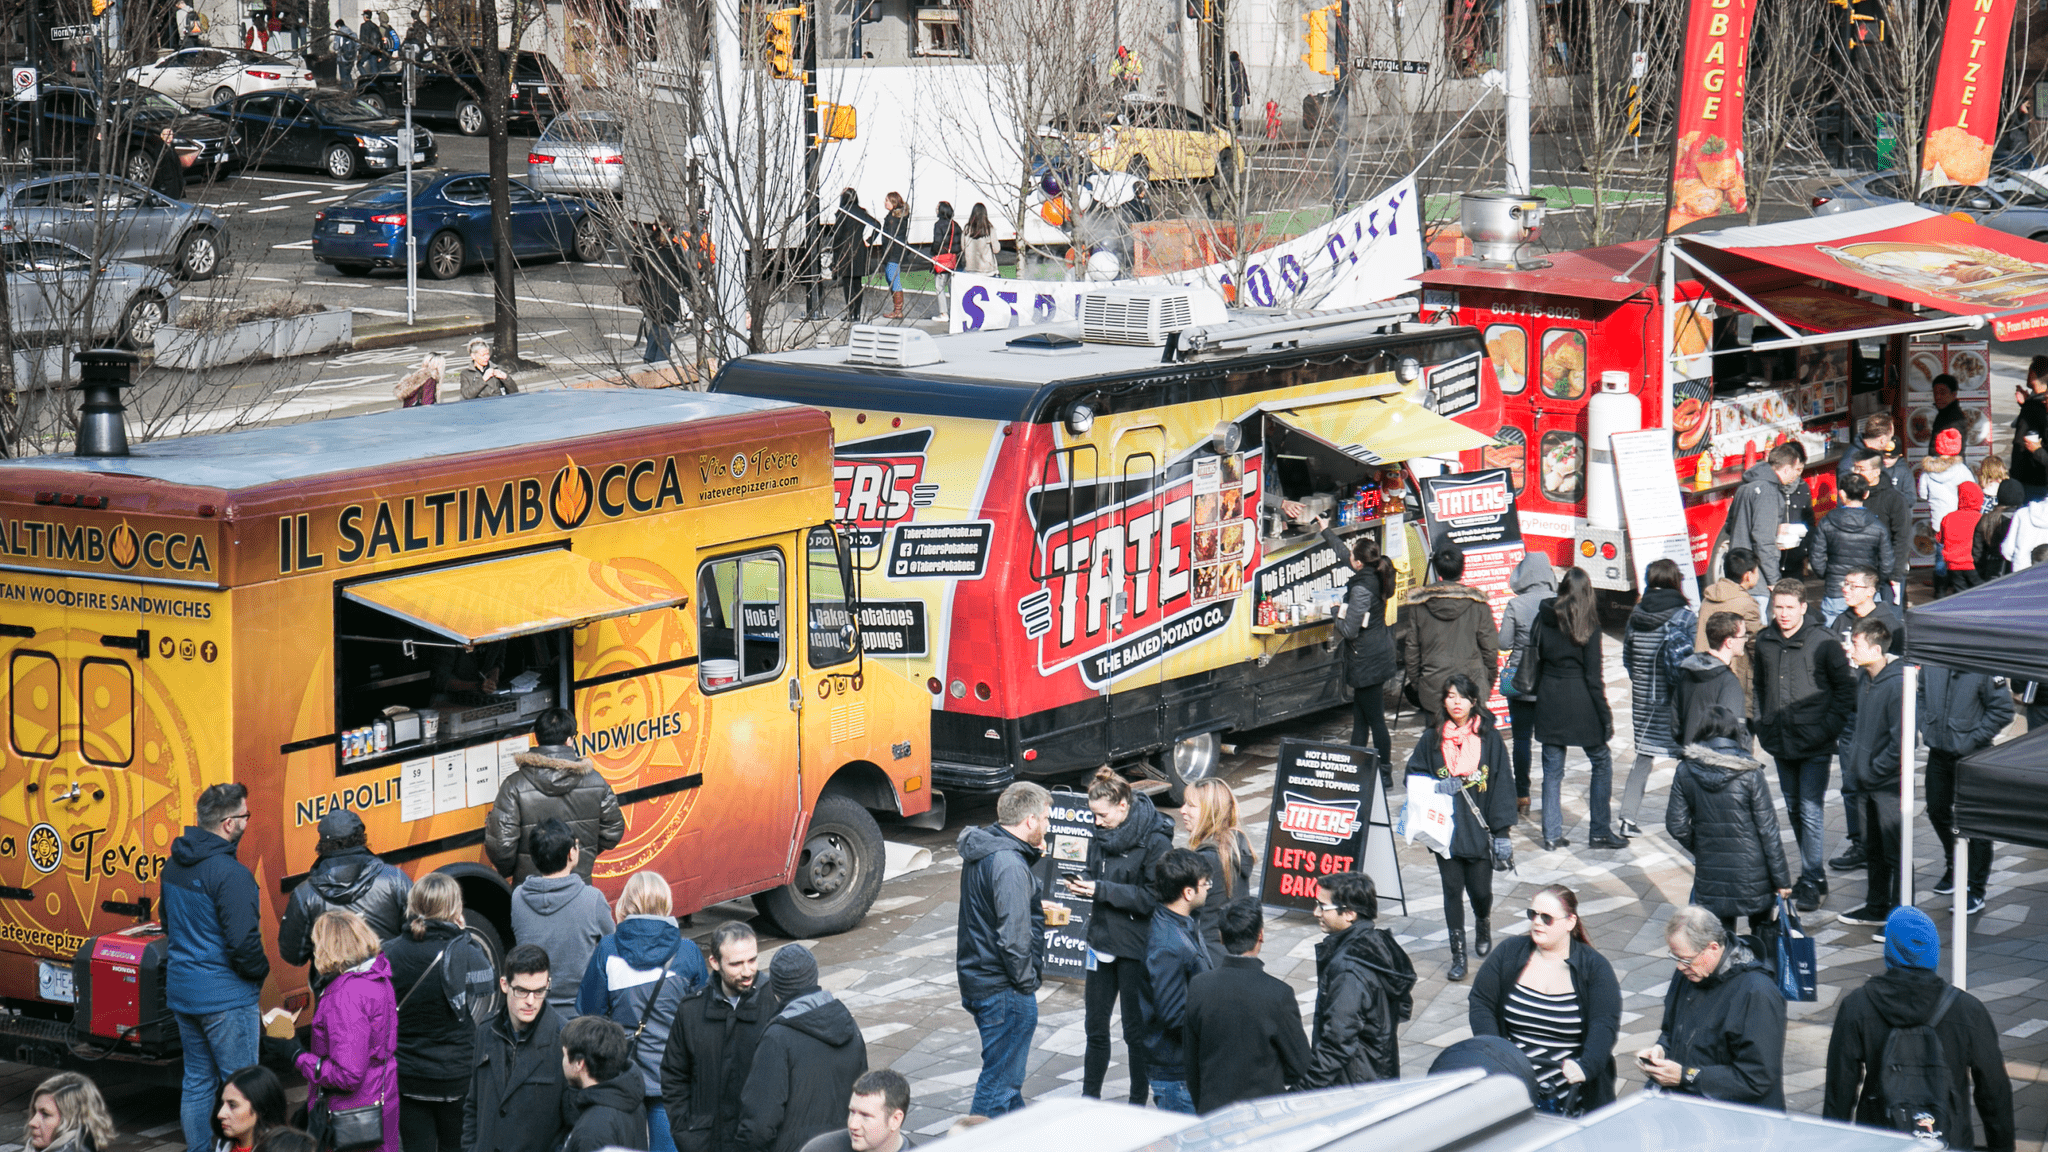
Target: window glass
[466, 191]
[518, 193]
[106, 711]
[1562, 370]
[739, 620]
[260, 106]
[36, 712]
[830, 607]
[1561, 458]
[1507, 345]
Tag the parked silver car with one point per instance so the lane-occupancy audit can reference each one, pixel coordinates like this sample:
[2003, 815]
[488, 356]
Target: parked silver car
[581, 154]
[119, 220]
[53, 290]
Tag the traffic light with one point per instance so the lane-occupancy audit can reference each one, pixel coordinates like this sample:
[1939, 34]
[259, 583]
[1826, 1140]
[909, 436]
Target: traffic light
[1323, 39]
[784, 27]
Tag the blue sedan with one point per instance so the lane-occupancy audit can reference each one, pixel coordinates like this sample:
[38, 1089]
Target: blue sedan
[451, 223]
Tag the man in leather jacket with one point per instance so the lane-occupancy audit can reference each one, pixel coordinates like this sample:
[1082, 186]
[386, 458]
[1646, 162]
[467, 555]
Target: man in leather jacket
[346, 875]
[555, 781]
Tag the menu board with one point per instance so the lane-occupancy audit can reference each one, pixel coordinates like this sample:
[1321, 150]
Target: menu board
[1329, 815]
[1476, 512]
[1066, 854]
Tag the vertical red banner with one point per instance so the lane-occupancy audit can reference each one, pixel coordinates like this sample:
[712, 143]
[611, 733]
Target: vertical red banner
[1962, 112]
[1707, 174]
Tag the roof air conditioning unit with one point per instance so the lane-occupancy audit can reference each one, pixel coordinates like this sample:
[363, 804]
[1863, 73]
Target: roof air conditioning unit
[891, 347]
[1135, 315]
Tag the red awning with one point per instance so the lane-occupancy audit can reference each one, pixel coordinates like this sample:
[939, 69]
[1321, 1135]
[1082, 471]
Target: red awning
[1821, 310]
[1538, 281]
[1903, 252]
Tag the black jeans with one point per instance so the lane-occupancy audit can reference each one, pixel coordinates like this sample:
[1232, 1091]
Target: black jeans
[1522, 715]
[1941, 810]
[1881, 846]
[1764, 926]
[1369, 718]
[429, 1125]
[1120, 979]
[1463, 879]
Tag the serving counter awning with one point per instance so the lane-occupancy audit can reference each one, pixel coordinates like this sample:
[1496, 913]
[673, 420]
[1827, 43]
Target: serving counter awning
[516, 596]
[1384, 429]
[1898, 251]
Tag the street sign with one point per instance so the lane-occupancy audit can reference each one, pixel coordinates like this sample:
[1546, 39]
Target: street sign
[24, 84]
[1403, 67]
[71, 32]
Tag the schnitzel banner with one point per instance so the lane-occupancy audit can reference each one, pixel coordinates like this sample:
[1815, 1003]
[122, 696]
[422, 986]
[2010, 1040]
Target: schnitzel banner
[1962, 112]
[1707, 176]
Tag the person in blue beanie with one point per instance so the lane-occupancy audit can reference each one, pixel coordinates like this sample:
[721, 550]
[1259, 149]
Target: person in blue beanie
[1910, 993]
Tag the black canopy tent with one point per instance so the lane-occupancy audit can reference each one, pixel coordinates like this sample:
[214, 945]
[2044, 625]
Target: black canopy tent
[1999, 629]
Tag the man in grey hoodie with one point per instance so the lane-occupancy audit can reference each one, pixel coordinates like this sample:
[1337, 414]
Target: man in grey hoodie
[560, 911]
[1533, 582]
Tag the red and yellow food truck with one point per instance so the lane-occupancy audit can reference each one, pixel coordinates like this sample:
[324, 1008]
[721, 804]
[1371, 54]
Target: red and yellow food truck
[368, 613]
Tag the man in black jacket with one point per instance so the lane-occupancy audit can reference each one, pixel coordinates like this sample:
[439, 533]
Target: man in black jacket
[808, 1061]
[1872, 766]
[711, 1045]
[1849, 536]
[1959, 712]
[1724, 1019]
[345, 875]
[1708, 678]
[1893, 507]
[1174, 955]
[1759, 507]
[1000, 941]
[1908, 993]
[1364, 986]
[1243, 1031]
[607, 1092]
[1858, 601]
[516, 1088]
[1804, 696]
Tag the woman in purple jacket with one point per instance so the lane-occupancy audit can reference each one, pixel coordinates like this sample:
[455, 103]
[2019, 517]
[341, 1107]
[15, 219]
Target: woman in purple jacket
[352, 1060]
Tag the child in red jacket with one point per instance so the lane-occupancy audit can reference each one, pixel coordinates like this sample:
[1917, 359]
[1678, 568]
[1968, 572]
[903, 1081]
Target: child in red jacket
[1959, 532]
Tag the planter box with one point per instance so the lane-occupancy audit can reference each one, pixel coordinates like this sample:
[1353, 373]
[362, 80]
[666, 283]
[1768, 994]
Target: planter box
[191, 349]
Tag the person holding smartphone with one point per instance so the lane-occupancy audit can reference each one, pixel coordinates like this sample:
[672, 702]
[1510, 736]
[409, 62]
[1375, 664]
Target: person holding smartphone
[1724, 1019]
[1130, 837]
[483, 378]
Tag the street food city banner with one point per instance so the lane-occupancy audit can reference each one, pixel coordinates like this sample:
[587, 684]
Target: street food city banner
[1475, 512]
[1962, 111]
[1066, 855]
[1707, 177]
[1902, 252]
[1329, 815]
[1372, 252]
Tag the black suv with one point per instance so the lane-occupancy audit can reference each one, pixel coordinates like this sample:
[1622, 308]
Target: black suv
[538, 93]
[71, 117]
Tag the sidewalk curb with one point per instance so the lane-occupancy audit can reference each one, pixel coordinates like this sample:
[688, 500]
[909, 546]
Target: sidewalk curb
[395, 334]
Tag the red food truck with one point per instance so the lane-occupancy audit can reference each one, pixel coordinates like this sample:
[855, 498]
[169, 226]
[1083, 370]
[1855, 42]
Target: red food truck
[1735, 341]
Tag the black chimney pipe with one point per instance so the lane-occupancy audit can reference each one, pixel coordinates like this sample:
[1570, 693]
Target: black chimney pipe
[102, 373]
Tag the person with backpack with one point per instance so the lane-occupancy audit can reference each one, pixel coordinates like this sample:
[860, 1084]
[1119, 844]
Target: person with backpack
[637, 978]
[1364, 988]
[1661, 609]
[440, 973]
[1910, 1051]
[1534, 582]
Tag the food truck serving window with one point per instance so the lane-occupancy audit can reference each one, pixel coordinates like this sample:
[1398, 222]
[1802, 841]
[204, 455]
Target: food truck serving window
[452, 656]
[739, 620]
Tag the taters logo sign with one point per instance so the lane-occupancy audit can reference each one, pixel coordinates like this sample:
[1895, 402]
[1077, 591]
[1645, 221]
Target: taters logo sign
[1707, 175]
[364, 532]
[1319, 821]
[1962, 112]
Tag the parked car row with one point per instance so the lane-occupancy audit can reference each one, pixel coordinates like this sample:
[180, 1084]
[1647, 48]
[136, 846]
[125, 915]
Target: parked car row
[451, 223]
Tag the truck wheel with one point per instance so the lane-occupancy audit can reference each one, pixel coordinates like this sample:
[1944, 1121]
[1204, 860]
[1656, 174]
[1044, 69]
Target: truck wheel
[1191, 758]
[837, 875]
[484, 1006]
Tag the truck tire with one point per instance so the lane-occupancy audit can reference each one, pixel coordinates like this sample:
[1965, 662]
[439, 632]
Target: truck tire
[838, 874]
[484, 1006]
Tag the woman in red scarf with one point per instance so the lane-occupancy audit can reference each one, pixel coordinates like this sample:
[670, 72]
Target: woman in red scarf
[1466, 758]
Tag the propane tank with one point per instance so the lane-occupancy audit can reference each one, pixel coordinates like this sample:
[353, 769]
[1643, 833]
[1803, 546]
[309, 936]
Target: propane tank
[1612, 409]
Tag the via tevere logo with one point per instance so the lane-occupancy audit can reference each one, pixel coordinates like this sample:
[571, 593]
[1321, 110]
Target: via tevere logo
[1319, 821]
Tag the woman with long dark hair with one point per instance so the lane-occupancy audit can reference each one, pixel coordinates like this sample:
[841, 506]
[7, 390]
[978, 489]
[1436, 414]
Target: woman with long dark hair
[1369, 659]
[1565, 644]
[978, 250]
[1464, 756]
[1722, 814]
[1556, 999]
[1130, 837]
[249, 1106]
[850, 249]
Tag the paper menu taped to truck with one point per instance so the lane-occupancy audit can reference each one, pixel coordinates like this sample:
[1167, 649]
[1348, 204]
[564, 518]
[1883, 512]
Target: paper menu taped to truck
[451, 781]
[480, 769]
[1651, 508]
[416, 789]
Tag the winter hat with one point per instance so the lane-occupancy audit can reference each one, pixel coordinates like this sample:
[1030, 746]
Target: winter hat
[339, 823]
[792, 972]
[1910, 940]
[2012, 493]
[1948, 443]
[1970, 496]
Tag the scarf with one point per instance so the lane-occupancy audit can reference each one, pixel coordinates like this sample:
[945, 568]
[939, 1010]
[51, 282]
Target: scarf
[1461, 747]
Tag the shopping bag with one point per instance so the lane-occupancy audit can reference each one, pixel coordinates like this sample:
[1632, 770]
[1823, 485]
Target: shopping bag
[1428, 815]
[1798, 970]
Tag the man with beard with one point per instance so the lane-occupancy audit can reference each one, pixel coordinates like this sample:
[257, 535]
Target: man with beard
[711, 1045]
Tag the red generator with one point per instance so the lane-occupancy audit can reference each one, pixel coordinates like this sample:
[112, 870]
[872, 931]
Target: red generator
[121, 996]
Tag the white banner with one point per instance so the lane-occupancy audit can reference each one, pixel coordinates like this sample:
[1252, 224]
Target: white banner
[1370, 253]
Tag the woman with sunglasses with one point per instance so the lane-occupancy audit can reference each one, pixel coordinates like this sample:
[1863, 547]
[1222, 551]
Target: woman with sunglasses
[1557, 1000]
[1465, 757]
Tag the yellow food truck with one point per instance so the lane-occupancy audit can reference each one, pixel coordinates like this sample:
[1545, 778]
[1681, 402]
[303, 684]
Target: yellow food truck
[368, 613]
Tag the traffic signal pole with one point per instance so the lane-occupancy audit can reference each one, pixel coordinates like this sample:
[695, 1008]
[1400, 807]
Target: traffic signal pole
[814, 262]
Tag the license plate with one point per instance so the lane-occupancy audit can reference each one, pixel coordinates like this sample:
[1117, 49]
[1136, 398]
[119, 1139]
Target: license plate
[419, 157]
[53, 982]
[345, 229]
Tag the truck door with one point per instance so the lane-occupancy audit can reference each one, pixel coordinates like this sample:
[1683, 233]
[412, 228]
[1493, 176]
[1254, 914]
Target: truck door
[748, 677]
[1136, 703]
